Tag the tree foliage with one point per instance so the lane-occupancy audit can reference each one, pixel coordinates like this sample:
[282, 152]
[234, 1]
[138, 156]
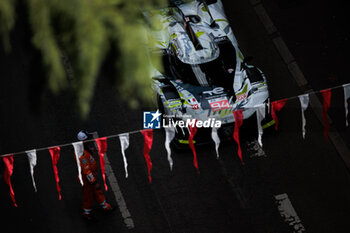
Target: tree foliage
[87, 31]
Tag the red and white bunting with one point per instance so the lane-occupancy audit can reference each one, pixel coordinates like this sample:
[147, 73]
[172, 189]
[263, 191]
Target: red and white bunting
[102, 149]
[326, 94]
[148, 140]
[8, 160]
[238, 115]
[193, 131]
[55, 155]
[78, 152]
[260, 115]
[169, 136]
[124, 144]
[346, 88]
[31, 154]
[276, 106]
[304, 102]
[216, 139]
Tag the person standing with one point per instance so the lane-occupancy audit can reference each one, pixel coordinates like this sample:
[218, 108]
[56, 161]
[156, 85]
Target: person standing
[91, 188]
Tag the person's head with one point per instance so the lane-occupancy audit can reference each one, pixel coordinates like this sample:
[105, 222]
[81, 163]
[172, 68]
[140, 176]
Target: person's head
[85, 136]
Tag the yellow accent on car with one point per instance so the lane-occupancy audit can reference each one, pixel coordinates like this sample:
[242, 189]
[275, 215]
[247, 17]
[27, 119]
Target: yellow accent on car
[271, 123]
[174, 46]
[172, 105]
[185, 141]
[245, 88]
[162, 43]
[198, 34]
[240, 55]
[221, 20]
[225, 112]
[184, 98]
[261, 85]
[174, 35]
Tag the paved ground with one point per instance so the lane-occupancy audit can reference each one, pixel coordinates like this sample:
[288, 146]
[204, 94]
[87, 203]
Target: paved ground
[315, 32]
[226, 196]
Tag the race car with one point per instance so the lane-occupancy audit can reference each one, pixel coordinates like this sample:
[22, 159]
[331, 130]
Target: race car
[204, 73]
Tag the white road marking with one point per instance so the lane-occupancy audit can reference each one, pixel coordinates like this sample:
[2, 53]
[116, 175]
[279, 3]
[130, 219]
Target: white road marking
[298, 75]
[117, 192]
[283, 50]
[288, 213]
[264, 17]
[255, 150]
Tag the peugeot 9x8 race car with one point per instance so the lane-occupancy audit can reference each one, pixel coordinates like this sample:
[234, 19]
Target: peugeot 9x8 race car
[205, 75]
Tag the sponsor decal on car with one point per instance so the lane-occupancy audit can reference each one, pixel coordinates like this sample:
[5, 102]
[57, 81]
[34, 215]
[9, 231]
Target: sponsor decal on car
[219, 104]
[215, 91]
[173, 104]
[241, 96]
[193, 102]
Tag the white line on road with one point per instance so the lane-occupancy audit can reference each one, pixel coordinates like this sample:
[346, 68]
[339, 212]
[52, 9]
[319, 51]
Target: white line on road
[254, 149]
[282, 201]
[288, 213]
[117, 192]
[264, 17]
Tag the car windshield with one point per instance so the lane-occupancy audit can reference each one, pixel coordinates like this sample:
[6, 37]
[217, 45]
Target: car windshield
[183, 71]
[219, 72]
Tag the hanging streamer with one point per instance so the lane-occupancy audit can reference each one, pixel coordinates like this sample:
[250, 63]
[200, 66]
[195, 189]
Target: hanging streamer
[55, 155]
[238, 123]
[78, 152]
[346, 97]
[8, 160]
[326, 94]
[148, 139]
[193, 131]
[31, 154]
[148, 136]
[260, 115]
[102, 149]
[169, 136]
[124, 144]
[216, 139]
[276, 106]
[304, 102]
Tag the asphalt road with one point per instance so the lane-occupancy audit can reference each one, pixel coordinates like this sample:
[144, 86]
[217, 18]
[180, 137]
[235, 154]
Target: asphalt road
[316, 33]
[226, 196]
